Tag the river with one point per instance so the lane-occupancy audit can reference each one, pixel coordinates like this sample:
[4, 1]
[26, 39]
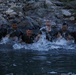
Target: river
[41, 58]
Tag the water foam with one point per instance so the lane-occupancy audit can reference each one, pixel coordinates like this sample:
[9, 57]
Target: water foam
[4, 40]
[44, 45]
[41, 45]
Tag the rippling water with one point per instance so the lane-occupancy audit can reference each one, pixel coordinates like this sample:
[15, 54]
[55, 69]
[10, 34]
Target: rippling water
[36, 63]
[41, 58]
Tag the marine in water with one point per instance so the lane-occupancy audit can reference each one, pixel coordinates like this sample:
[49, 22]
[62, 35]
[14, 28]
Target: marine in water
[14, 32]
[64, 33]
[47, 30]
[28, 36]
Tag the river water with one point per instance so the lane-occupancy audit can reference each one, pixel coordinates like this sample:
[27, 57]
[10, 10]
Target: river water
[41, 58]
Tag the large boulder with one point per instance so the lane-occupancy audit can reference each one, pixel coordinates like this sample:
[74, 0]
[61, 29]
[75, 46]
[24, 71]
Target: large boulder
[66, 12]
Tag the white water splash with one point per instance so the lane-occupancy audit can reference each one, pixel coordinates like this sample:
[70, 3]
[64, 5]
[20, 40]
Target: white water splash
[60, 42]
[41, 45]
[44, 45]
[17, 46]
[4, 40]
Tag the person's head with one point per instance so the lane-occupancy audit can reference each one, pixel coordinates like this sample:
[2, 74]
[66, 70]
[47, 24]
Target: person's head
[14, 26]
[29, 32]
[48, 23]
[64, 27]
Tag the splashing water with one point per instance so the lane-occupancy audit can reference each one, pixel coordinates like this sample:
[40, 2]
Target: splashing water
[60, 42]
[41, 45]
[4, 40]
[44, 45]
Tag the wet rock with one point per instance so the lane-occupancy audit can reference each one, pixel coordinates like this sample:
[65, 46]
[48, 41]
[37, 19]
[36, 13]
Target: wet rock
[52, 10]
[0, 1]
[58, 3]
[16, 8]
[48, 2]
[53, 23]
[2, 20]
[20, 14]
[10, 12]
[32, 21]
[72, 4]
[72, 18]
[66, 12]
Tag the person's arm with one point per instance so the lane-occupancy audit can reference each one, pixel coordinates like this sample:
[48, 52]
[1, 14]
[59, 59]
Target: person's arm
[21, 40]
[59, 35]
[69, 36]
[38, 36]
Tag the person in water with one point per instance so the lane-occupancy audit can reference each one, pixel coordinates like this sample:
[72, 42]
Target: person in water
[64, 33]
[28, 36]
[14, 32]
[47, 30]
[3, 31]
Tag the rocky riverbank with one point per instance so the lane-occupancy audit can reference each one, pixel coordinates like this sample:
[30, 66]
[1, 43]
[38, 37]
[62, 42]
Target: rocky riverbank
[35, 12]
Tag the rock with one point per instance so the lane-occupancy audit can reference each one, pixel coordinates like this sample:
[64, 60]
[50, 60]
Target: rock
[3, 20]
[58, 3]
[48, 2]
[72, 4]
[0, 1]
[50, 9]
[53, 23]
[10, 12]
[72, 18]
[32, 21]
[20, 14]
[38, 4]
[66, 12]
